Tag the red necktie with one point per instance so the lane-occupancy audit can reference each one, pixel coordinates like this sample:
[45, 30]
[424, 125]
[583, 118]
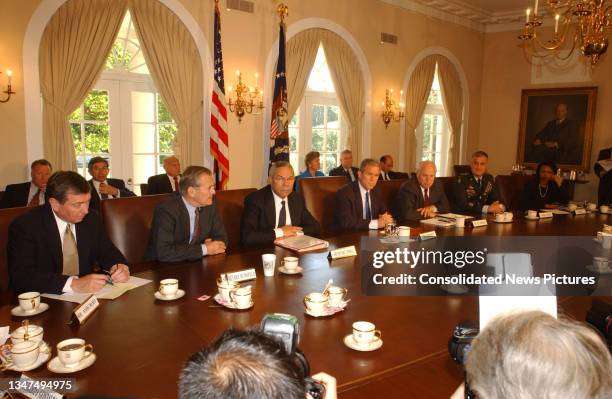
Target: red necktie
[35, 201]
[176, 187]
[426, 198]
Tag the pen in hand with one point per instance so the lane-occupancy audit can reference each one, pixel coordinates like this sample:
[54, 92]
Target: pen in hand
[109, 280]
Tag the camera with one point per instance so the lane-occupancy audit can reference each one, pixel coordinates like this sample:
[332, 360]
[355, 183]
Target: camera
[286, 329]
[459, 346]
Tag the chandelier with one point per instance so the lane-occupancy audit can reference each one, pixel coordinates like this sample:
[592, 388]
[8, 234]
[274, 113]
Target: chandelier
[582, 24]
[391, 110]
[245, 100]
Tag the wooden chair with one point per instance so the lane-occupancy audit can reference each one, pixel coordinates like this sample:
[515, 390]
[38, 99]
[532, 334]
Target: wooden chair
[461, 170]
[511, 189]
[319, 194]
[6, 218]
[231, 204]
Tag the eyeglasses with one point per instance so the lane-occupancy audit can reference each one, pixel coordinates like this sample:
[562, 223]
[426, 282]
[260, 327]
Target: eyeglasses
[280, 179]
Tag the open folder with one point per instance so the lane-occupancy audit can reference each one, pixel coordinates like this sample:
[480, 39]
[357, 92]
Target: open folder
[302, 243]
[108, 292]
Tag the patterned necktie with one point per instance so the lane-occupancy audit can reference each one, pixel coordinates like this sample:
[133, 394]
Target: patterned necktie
[282, 216]
[176, 182]
[196, 227]
[70, 254]
[368, 211]
[426, 198]
[35, 201]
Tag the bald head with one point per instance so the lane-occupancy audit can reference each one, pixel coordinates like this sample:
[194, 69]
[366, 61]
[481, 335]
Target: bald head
[561, 111]
[426, 173]
[172, 166]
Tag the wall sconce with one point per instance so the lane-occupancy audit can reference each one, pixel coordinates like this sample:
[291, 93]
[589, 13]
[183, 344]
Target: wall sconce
[8, 90]
[391, 110]
[245, 100]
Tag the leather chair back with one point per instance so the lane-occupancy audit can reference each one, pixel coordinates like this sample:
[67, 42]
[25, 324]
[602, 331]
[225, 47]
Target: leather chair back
[128, 223]
[144, 189]
[511, 189]
[462, 170]
[389, 189]
[320, 196]
[447, 183]
[6, 218]
[231, 204]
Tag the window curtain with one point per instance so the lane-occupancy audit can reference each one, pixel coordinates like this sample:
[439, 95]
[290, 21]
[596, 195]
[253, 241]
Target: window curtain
[417, 94]
[452, 96]
[174, 62]
[348, 81]
[300, 55]
[73, 49]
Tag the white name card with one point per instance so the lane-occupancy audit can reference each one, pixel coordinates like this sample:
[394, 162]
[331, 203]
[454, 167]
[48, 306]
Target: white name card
[86, 309]
[343, 252]
[580, 211]
[479, 223]
[428, 235]
[544, 215]
[242, 275]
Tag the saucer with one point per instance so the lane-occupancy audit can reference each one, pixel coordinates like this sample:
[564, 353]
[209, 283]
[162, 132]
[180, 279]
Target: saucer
[56, 366]
[535, 218]
[328, 311]
[219, 299]
[372, 346]
[43, 356]
[179, 294]
[19, 312]
[297, 270]
[505, 221]
[597, 271]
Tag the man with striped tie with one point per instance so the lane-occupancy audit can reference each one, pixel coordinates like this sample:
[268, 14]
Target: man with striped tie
[421, 198]
[166, 182]
[30, 193]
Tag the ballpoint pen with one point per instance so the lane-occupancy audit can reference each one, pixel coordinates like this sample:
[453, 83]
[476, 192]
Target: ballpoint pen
[109, 280]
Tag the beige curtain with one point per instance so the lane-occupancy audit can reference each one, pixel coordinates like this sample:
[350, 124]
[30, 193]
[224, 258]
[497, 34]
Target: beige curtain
[73, 49]
[452, 96]
[349, 84]
[417, 93]
[300, 55]
[174, 62]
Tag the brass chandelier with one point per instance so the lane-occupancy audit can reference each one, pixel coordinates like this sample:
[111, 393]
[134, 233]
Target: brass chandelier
[582, 24]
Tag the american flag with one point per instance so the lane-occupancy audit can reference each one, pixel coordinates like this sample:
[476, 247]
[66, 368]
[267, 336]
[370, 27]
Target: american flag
[279, 133]
[219, 140]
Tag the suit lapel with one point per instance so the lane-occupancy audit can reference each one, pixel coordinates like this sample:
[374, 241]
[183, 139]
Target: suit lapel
[358, 200]
[184, 218]
[293, 209]
[95, 198]
[54, 242]
[270, 208]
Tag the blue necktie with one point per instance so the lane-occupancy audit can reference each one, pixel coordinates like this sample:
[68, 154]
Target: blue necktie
[367, 205]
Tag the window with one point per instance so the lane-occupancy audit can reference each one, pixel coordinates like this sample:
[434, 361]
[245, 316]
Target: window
[317, 125]
[124, 118]
[433, 137]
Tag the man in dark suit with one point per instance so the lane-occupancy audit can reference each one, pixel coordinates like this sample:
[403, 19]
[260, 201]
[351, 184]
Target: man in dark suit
[477, 192]
[604, 195]
[359, 205]
[101, 187]
[54, 248]
[187, 225]
[421, 198]
[167, 182]
[386, 169]
[560, 141]
[30, 193]
[346, 167]
[276, 211]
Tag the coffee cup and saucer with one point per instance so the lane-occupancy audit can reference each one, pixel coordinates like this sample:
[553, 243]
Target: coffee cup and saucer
[317, 305]
[531, 215]
[24, 356]
[72, 355]
[241, 298]
[29, 305]
[169, 290]
[504, 217]
[600, 265]
[336, 297]
[289, 265]
[365, 337]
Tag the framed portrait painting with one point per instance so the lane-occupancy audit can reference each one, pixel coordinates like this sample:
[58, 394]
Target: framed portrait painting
[557, 125]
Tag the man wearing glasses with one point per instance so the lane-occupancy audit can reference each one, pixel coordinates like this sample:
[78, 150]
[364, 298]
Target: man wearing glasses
[187, 225]
[275, 211]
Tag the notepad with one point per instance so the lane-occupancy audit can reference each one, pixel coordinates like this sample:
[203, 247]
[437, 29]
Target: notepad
[302, 243]
[438, 222]
[108, 292]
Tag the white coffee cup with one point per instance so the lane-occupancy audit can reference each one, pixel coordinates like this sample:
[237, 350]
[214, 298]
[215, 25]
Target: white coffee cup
[269, 263]
[604, 208]
[572, 207]
[241, 297]
[316, 302]
[508, 216]
[601, 263]
[25, 353]
[364, 332]
[226, 287]
[336, 295]
[290, 263]
[168, 287]
[34, 333]
[29, 301]
[404, 233]
[500, 217]
[71, 351]
[591, 206]
[606, 240]
[532, 214]
[460, 222]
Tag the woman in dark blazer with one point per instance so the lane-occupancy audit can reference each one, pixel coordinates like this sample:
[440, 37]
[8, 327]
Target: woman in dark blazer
[546, 190]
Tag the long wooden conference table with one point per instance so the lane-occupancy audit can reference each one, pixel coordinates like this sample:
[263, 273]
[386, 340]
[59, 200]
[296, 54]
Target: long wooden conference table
[141, 343]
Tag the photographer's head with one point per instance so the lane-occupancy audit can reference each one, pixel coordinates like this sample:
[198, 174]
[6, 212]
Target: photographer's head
[532, 355]
[242, 365]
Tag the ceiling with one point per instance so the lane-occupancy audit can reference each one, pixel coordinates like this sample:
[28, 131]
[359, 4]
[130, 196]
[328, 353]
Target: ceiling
[496, 6]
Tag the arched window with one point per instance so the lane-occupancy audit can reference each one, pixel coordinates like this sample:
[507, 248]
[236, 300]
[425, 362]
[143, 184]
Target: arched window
[317, 125]
[123, 118]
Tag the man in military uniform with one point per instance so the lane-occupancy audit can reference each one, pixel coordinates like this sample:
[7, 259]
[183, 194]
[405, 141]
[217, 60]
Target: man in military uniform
[476, 192]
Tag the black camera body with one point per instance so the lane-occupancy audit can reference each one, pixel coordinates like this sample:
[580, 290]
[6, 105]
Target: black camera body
[286, 328]
[459, 346]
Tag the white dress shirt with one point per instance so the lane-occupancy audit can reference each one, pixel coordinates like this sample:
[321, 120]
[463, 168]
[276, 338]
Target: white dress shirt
[191, 210]
[374, 222]
[33, 190]
[178, 178]
[61, 227]
[278, 232]
[97, 187]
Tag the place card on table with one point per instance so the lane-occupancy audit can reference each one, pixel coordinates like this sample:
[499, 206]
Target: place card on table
[242, 275]
[580, 211]
[86, 309]
[343, 252]
[428, 235]
[544, 215]
[479, 223]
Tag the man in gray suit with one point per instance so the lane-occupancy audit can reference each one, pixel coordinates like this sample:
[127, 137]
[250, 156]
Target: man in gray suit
[423, 198]
[187, 226]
